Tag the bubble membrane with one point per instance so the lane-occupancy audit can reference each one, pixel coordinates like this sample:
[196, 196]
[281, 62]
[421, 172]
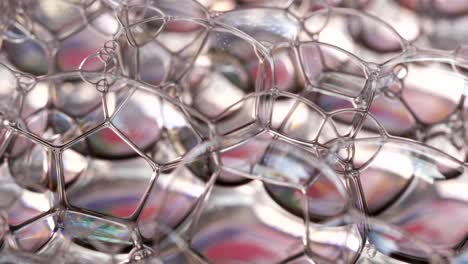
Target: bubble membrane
[233, 131]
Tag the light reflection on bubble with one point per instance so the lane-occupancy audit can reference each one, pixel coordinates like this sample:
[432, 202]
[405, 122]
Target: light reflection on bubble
[34, 236]
[28, 56]
[84, 227]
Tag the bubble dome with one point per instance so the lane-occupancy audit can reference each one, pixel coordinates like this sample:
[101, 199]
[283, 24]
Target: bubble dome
[233, 131]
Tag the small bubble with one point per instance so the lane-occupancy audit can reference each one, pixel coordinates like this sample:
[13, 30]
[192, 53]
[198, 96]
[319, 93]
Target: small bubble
[102, 86]
[353, 173]
[361, 102]
[140, 254]
[400, 71]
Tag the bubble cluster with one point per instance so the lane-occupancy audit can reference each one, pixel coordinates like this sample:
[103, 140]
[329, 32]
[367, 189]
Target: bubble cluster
[233, 131]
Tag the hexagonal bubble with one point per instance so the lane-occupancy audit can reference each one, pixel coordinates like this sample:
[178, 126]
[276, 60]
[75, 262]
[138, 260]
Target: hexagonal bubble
[417, 82]
[376, 41]
[34, 167]
[322, 73]
[103, 188]
[60, 18]
[333, 70]
[163, 122]
[144, 132]
[77, 114]
[424, 176]
[258, 230]
[208, 58]
[224, 71]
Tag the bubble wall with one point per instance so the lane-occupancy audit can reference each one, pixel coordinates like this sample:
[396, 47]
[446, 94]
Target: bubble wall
[234, 131]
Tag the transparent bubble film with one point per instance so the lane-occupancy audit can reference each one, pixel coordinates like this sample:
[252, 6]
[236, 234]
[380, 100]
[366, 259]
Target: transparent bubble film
[234, 131]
